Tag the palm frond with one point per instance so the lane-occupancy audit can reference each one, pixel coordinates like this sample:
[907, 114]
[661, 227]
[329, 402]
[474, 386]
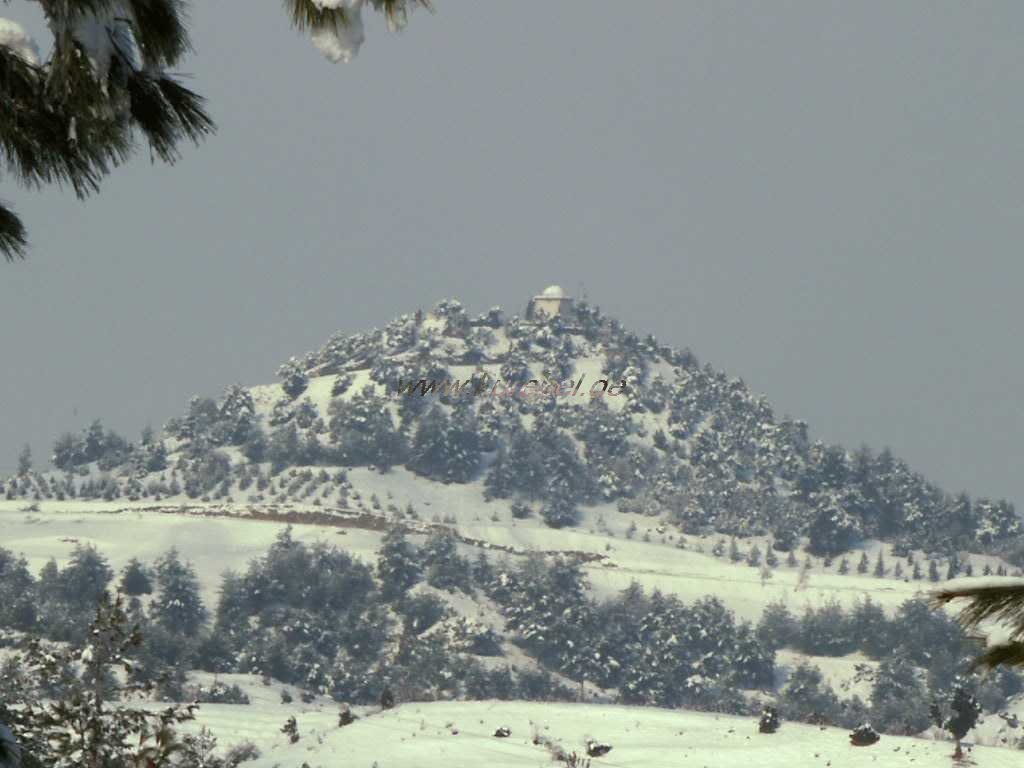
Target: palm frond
[13, 240]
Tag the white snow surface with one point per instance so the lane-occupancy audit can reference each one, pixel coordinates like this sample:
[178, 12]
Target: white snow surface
[14, 36]
[982, 582]
[443, 734]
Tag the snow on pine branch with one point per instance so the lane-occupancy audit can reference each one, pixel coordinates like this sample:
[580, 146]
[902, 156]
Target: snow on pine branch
[971, 583]
[336, 26]
[341, 35]
[106, 36]
[995, 606]
[14, 37]
[103, 36]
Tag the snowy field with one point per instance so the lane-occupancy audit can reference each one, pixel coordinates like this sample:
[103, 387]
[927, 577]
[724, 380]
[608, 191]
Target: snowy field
[460, 734]
[228, 539]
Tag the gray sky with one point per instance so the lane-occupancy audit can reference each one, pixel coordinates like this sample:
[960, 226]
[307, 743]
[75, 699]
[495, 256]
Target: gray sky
[824, 198]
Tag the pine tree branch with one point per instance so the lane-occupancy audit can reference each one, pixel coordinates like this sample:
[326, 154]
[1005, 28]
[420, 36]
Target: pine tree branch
[57, 8]
[194, 121]
[166, 112]
[13, 238]
[1008, 654]
[991, 602]
[306, 15]
[987, 602]
[397, 10]
[70, 120]
[160, 30]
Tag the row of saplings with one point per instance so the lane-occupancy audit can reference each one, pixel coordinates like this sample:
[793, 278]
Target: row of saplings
[958, 716]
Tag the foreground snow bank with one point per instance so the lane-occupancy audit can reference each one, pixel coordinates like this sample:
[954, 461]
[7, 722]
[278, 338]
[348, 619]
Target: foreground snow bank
[442, 734]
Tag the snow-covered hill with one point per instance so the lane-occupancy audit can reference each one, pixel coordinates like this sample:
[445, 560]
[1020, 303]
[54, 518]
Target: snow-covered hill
[686, 486]
[220, 536]
[666, 439]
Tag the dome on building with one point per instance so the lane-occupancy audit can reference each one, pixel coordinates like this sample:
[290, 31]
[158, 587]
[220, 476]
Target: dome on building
[550, 302]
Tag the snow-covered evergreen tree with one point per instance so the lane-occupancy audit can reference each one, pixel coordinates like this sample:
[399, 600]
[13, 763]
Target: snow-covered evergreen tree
[25, 460]
[293, 378]
[807, 697]
[178, 606]
[362, 431]
[996, 521]
[446, 449]
[879, 565]
[559, 512]
[398, 566]
[863, 563]
[85, 578]
[898, 700]
[445, 568]
[135, 579]
[778, 627]
[85, 721]
[958, 712]
[833, 529]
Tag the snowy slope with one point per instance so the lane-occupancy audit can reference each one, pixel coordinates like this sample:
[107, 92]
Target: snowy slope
[424, 736]
[122, 530]
[213, 545]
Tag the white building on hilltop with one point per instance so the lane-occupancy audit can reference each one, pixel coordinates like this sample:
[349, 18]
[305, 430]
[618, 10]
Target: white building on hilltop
[552, 301]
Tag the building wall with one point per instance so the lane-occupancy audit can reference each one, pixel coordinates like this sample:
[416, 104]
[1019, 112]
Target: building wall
[550, 306]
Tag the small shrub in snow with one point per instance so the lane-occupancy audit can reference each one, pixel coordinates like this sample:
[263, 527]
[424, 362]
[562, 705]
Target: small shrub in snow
[218, 693]
[864, 736]
[769, 722]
